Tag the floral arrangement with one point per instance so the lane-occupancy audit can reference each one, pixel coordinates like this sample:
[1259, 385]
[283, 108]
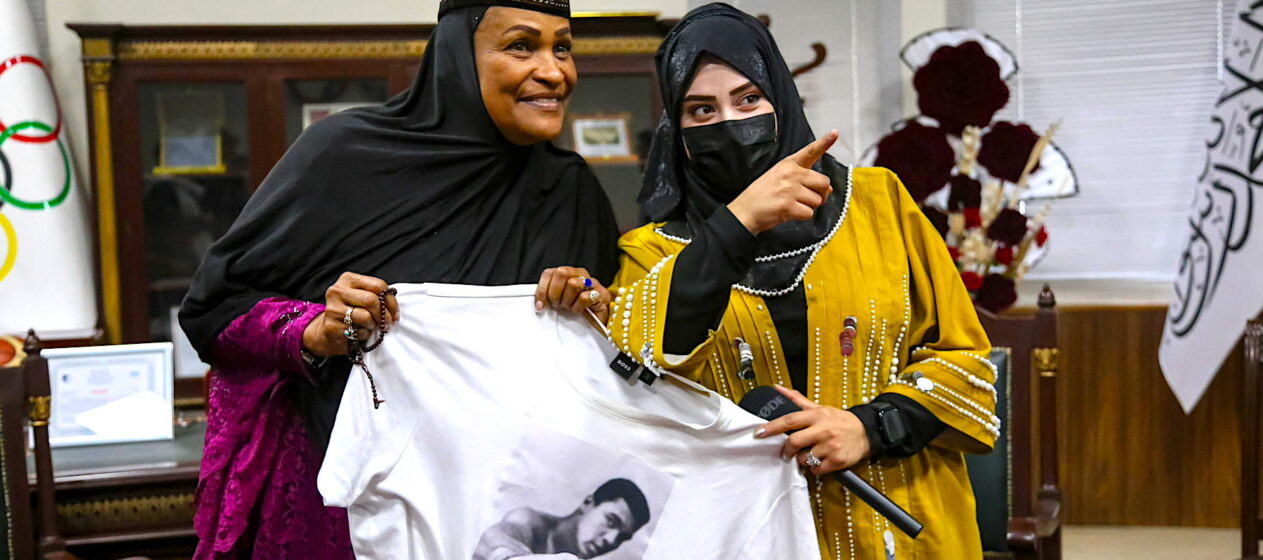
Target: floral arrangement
[971, 175]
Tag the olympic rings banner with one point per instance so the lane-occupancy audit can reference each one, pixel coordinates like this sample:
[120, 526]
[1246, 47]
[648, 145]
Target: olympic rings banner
[1219, 283]
[46, 274]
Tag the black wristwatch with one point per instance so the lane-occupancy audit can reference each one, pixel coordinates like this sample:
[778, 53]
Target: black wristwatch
[890, 424]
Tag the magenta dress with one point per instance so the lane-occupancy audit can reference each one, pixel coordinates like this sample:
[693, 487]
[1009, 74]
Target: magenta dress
[256, 495]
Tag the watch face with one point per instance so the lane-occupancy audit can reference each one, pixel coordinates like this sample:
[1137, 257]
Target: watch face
[893, 430]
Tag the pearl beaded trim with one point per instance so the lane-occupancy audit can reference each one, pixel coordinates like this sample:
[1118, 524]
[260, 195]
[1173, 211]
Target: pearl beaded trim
[814, 249]
[674, 238]
[992, 429]
[972, 379]
[985, 362]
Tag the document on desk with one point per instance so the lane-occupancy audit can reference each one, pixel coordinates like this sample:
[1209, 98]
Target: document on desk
[110, 394]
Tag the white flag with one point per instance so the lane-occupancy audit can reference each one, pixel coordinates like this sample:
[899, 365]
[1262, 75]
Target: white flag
[46, 274]
[1220, 280]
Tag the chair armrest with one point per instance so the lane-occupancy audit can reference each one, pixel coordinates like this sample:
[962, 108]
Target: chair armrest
[1047, 512]
[1025, 532]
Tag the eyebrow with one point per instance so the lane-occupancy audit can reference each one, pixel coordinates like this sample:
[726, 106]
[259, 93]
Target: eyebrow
[562, 31]
[525, 29]
[741, 88]
[734, 91]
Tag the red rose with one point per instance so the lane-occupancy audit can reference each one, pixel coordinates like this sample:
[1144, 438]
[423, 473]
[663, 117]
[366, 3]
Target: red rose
[966, 193]
[1042, 237]
[972, 280]
[1004, 255]
[920, 156]
[960, 86]
[998, 292]
[1008, 228]
[973, 218]
[954, 252]
[1005, 149]
[937, 218]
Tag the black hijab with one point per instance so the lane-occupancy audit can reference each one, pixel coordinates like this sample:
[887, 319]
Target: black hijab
[675, 194]
[422, 189]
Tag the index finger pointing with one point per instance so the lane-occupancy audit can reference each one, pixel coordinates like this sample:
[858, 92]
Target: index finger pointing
[811, 153]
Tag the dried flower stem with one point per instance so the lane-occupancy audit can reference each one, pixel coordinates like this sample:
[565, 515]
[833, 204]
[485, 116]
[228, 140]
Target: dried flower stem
[1036, 153]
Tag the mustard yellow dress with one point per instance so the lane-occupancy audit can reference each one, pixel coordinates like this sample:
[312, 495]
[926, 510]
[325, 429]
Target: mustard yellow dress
[886, 266]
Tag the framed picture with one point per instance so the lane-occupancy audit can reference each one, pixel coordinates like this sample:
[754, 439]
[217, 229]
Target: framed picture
[189, 127]
[110, 394]
[603, 137]
[313, 112]
[187, 363]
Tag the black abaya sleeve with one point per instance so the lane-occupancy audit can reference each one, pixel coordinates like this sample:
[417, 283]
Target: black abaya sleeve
[721, 253]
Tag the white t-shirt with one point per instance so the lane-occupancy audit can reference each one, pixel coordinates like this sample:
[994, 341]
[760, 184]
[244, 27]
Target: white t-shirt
[504, 433]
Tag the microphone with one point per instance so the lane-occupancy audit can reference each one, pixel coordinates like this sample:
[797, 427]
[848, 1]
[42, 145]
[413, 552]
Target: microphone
[769, 404]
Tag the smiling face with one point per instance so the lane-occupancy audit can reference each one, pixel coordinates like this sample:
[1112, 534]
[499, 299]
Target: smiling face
[525, 72]
[603, 527]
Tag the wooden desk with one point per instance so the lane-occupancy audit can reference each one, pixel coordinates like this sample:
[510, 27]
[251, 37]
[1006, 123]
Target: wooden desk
[129, 499]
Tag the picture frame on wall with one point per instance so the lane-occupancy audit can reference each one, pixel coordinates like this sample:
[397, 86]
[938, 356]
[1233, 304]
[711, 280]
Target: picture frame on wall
[190, 129]
[314, 112]
[111, 394]
[603, 138]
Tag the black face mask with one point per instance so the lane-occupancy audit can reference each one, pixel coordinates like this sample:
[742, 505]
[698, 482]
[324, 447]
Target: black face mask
[730, 155]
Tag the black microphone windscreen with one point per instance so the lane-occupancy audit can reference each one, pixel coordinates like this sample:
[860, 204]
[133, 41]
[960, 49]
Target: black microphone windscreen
[767, 403]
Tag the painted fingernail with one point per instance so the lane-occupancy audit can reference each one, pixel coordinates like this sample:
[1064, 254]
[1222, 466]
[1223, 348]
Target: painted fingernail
[759, 432]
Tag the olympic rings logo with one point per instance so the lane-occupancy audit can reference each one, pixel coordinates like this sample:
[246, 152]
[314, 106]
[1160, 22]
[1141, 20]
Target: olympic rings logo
[28, 132]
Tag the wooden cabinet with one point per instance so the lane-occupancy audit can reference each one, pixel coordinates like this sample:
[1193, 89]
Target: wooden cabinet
[187, 121]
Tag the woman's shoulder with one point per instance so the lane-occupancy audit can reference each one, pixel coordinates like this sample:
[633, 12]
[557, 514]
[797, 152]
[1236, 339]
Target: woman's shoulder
[647, 235]
[876, 189]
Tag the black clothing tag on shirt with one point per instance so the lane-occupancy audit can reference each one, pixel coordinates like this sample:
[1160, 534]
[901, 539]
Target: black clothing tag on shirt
[624, 366]
[648, 377]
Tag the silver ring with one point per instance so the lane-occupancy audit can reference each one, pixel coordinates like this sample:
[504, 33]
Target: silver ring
[346, 318]
[812, 460]
[594, 296]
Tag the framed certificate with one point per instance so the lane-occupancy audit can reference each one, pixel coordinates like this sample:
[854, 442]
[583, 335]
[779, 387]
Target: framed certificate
[314, 112]
[110, 394]
[603, 138]
[190, 125]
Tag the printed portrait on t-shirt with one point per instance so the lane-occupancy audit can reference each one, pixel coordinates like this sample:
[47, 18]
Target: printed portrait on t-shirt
[562, 498]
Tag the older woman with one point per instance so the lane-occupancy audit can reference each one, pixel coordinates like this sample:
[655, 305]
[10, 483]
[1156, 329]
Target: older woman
[769, 262]
[452, 181]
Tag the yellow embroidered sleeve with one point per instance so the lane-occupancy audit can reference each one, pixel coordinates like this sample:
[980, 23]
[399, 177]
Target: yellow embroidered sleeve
[642, 287]
[949, 374]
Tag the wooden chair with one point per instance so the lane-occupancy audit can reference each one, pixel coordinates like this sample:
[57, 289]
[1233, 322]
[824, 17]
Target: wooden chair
[19, 535]
[1250, 521]
[1019, 501]
[25, 396]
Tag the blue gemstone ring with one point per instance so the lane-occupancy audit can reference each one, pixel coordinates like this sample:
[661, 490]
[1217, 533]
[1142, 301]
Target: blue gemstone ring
[587, 282]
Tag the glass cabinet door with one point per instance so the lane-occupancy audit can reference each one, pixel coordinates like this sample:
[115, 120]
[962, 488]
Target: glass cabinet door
[195, 163]
[308, 101]
[610, 123]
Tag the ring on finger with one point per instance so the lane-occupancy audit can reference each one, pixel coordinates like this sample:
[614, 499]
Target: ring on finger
[812, 460]
[350, 331]
[587, 282]
[594, 297]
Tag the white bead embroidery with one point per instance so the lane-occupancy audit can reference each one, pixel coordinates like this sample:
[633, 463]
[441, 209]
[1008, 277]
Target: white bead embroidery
[814, 249]
[994, 429]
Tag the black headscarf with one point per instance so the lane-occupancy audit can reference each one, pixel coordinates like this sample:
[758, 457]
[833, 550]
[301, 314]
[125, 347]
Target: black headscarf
[422, 189]
[673, 193]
